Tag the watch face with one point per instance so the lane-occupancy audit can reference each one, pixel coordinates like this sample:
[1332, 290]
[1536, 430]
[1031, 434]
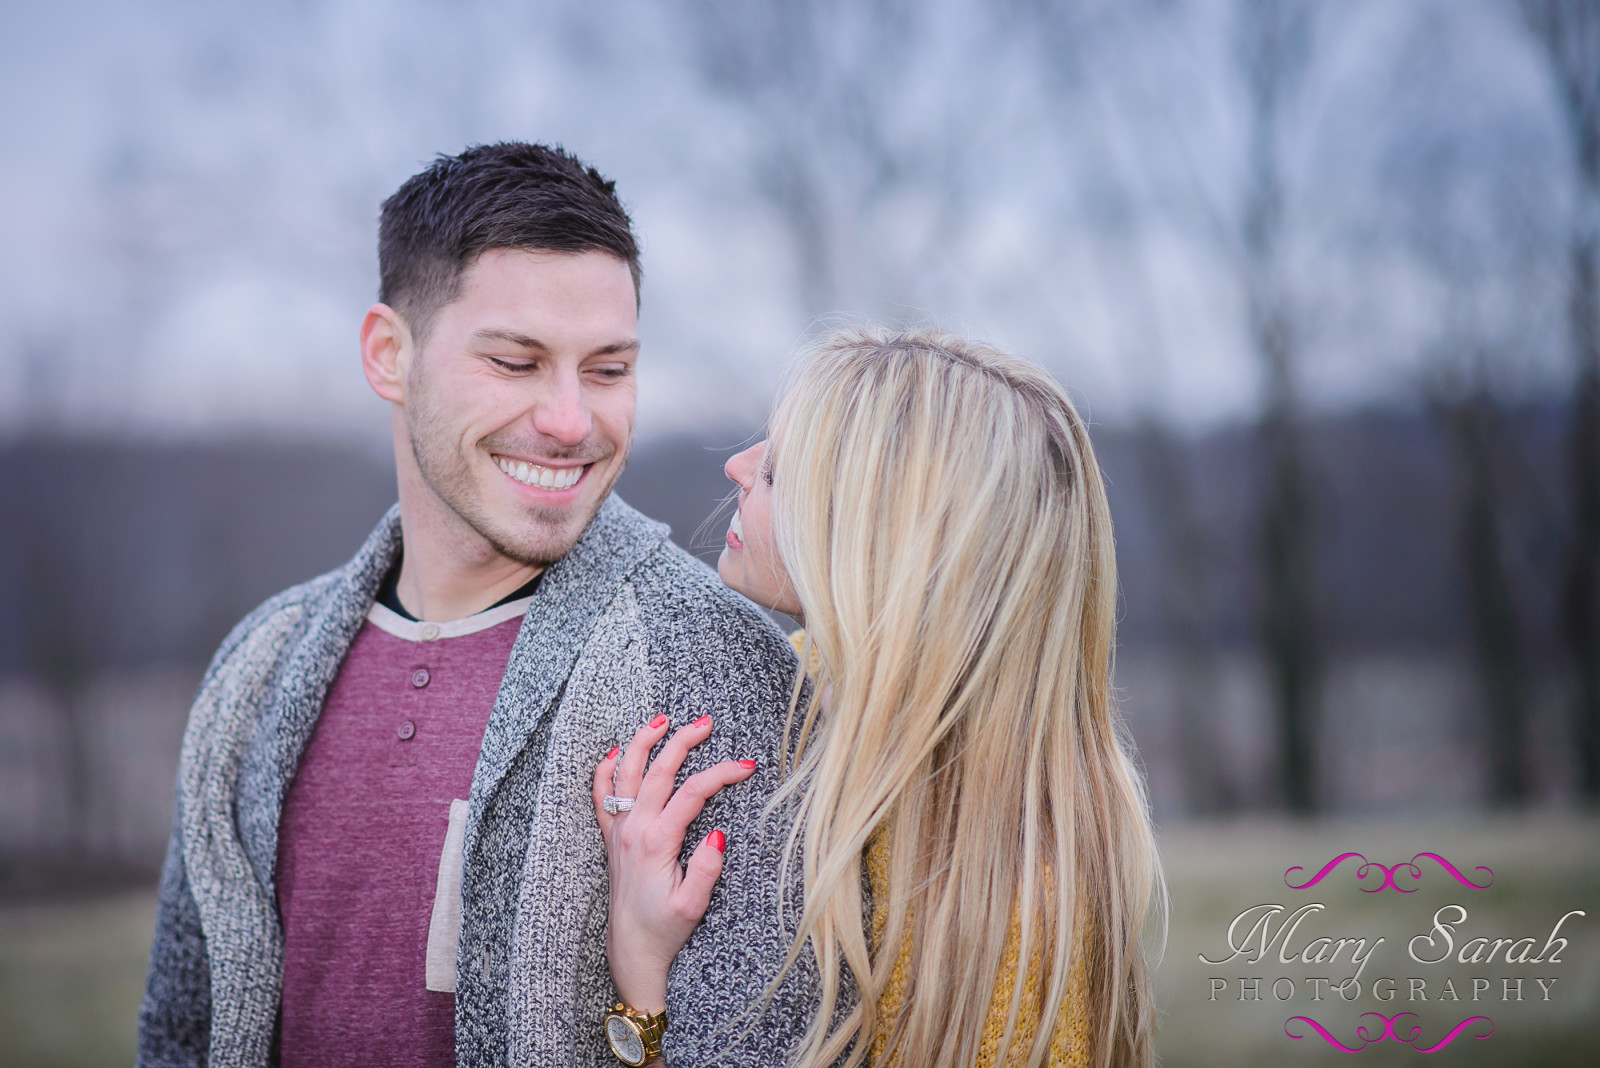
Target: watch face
[625, 1041]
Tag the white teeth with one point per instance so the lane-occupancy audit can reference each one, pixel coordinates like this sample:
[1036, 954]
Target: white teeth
[737, 527]
[550, 478]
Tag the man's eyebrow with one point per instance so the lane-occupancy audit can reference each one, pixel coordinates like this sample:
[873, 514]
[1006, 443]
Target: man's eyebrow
[512, 337]
[524, 341]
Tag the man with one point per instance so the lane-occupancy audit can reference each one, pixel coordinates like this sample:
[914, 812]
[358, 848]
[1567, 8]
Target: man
[384, 848]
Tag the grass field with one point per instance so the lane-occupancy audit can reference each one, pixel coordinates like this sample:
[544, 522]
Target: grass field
[71, 972]
[71, 975]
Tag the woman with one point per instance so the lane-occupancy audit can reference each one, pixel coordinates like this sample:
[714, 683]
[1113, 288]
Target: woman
[933, 511]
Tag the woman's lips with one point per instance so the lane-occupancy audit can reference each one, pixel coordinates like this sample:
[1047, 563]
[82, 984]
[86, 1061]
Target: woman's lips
[735, 529]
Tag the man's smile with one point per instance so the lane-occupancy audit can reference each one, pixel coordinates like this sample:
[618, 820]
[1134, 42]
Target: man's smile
[546, 478]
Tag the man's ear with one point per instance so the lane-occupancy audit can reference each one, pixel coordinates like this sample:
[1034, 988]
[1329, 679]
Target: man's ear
[385, 352]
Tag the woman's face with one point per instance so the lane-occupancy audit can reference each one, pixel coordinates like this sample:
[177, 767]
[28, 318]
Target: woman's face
[749, 562]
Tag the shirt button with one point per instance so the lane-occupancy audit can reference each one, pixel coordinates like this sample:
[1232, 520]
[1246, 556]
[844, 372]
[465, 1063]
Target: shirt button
[407, 731]
[430, 632]
[420, 677]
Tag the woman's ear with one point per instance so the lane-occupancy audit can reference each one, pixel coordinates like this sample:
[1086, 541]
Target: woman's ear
[385, 352]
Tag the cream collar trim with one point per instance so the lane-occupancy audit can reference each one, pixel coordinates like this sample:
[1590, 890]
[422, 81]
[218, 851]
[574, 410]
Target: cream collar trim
[391, 622]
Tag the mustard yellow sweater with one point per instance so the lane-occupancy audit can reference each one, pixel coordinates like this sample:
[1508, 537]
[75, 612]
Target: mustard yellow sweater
[1069, 1047]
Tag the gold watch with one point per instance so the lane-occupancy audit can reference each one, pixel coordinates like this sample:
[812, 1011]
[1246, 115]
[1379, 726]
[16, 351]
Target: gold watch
[635, 1036]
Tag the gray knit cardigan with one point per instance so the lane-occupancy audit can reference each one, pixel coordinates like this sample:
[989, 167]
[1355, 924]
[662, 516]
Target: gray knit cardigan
[626, 626]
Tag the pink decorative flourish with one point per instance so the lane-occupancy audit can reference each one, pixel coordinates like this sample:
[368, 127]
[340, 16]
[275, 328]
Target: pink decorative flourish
[1323, 874]
[1388, 1029]
[1319, 1029]
[1451, 868]
[1410, 867]
[1456, 1032]
[1372, 1038]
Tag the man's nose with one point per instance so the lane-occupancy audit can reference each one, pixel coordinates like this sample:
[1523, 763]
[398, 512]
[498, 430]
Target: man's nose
[562, 413]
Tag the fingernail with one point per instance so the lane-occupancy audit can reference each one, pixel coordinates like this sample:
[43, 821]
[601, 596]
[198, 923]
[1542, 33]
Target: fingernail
[703, 721]
[659, 722]
[719, 841]
[747, 764]
[613, 751]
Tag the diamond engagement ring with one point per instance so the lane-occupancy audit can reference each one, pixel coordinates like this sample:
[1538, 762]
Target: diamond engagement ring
[617, 805]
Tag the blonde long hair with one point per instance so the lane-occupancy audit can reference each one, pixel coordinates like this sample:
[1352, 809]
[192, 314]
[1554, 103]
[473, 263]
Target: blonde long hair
[942, 518]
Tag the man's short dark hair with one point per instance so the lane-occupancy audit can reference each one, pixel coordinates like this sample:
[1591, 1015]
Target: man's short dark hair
[508, 195]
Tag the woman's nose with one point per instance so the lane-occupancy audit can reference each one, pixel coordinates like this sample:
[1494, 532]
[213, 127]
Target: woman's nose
[742, 466]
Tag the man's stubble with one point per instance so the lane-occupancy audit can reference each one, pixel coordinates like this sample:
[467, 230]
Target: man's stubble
[552, 532]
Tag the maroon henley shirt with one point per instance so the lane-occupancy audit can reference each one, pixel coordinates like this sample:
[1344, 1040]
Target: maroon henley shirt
[363, 831]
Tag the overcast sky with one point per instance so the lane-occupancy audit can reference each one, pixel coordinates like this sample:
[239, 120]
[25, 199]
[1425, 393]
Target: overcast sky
[188, 194]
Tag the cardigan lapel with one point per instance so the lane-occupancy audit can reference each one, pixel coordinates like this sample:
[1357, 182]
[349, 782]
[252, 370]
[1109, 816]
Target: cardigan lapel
[575, 591]
[292, 707]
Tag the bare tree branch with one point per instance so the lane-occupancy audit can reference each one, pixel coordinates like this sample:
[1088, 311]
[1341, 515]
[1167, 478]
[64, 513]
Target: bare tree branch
[1568, 33]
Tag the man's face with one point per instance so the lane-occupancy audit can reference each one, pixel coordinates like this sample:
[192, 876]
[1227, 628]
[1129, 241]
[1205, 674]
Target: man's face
[520, 404]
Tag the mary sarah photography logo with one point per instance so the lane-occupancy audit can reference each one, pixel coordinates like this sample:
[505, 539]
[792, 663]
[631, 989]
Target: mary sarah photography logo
[1391, 964]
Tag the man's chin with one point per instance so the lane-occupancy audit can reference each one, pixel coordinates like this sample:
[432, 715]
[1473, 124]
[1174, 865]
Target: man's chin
[538, 548]
[545, 535]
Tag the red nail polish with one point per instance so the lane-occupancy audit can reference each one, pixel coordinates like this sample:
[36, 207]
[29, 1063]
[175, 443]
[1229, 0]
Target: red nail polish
[703, 721]
[747, 764]
[719, 841]
[613, 751]
[658, 722]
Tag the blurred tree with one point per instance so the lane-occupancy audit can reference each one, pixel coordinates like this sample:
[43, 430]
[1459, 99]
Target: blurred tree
[1068, 36]
[851, 113]
[1568, 33]
[57, 653]
[1467, 204]
[1188, 556]
[1273, 44]
[54, 650]
[1479, 442]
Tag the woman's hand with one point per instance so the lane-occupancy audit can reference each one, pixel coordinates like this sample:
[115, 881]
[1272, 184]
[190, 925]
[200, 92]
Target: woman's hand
[654, 903]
